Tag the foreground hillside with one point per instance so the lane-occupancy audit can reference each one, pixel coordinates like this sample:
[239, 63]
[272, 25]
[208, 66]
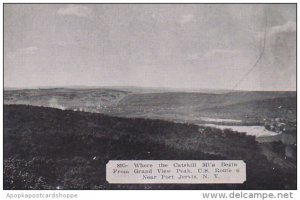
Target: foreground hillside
[47, 148]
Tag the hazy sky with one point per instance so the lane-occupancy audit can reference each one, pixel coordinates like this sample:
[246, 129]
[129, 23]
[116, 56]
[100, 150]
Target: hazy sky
[180, 46]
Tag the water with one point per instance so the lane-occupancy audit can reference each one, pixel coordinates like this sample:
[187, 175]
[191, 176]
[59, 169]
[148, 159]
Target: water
[207, 119]
[257, 131]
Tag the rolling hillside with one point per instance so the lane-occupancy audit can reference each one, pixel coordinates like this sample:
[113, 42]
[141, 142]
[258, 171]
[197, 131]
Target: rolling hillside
[47, 148]
[66, 98]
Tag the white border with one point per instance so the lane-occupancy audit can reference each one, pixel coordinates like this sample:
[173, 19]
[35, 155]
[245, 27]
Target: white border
[131, 194]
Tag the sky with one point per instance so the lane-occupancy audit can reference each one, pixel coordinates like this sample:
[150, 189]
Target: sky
[150, 45]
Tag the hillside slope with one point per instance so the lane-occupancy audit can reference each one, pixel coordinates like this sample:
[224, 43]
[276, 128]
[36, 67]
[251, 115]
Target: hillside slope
[66, 98]
[47, 148]
[280, 107]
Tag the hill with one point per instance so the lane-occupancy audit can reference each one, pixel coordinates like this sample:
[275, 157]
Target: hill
[279, 107]
[47, 148]
[66, 98]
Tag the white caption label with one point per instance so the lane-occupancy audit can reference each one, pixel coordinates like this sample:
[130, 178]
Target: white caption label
[175, 171]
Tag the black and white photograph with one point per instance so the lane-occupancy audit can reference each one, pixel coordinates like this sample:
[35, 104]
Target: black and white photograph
[90, 89]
